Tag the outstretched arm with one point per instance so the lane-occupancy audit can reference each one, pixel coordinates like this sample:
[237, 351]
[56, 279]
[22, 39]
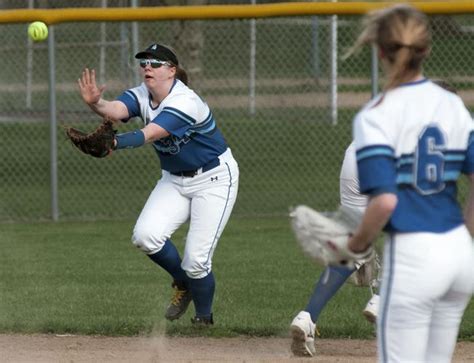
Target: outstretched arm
[92, 96]
[137, 138]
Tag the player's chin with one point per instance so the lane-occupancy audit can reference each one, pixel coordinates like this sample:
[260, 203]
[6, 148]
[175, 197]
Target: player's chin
[148, 80]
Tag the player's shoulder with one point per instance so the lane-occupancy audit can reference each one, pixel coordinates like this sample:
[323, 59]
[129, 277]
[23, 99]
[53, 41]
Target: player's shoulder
[452, 103]
[179, 93]
[447, 92]
[182, 96]
[140, 92]
[426, 92]
[184, 99]
[372, 109]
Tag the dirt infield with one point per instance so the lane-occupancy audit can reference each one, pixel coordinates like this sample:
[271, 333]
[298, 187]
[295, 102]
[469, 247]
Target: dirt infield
[52, 348]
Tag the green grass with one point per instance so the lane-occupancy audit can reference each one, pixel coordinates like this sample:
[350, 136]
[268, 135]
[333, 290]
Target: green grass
[87, 278]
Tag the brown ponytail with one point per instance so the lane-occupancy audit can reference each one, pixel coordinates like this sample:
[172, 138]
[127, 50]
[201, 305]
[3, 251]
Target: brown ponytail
[181, 75]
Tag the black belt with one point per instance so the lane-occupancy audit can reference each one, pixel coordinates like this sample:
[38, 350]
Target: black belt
[190, 173]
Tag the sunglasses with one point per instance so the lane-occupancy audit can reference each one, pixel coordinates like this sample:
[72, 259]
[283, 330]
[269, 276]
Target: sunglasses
[154, 63]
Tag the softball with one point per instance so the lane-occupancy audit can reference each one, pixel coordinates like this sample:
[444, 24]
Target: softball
[38, 31]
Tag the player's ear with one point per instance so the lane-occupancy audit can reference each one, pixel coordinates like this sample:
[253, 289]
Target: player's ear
[173, 71]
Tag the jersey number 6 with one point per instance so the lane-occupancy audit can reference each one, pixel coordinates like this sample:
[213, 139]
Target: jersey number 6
[429, 161]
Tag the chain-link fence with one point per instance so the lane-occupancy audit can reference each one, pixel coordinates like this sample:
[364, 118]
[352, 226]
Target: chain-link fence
[269, 82]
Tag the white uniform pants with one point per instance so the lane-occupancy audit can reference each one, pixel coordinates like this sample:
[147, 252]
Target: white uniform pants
[427, 282]
[206, 199]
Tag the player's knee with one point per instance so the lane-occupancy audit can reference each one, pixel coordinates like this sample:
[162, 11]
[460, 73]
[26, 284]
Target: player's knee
[196, 269]
[149, 240]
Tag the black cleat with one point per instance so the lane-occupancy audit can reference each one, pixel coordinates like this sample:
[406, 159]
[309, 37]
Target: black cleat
[202, 321]
[179, 302]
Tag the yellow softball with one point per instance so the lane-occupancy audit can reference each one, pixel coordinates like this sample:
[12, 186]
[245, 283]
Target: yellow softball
[38, 31]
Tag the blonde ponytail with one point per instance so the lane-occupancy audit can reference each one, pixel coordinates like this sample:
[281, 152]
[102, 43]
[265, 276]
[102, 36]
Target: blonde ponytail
[403, 37]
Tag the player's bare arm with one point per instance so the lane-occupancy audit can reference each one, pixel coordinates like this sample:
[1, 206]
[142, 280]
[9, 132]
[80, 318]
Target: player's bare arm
[92, 96]
[469, 208]
[154, 132]
[377, 214]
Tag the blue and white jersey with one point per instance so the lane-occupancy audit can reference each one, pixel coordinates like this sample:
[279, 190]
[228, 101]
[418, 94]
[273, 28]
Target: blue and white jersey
[415, 141]
[194, 138]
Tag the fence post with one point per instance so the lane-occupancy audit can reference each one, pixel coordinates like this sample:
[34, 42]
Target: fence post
[135, 41]
[374, 71]
[253, 54]
[334, 68]
[316, 69]
[29, 64]
[53, 126]
[102, 46]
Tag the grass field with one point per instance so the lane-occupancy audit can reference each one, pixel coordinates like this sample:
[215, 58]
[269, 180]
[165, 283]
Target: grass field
[87, 278]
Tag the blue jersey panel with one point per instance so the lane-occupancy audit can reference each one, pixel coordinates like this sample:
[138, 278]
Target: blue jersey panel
[377, 172]
[423, 204]
[468, 166]
[131, 101]
[436, 213]
[448, 169]
[189, 152]
[171, 123]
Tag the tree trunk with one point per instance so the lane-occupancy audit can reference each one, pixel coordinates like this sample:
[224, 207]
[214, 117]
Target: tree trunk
[188, 42]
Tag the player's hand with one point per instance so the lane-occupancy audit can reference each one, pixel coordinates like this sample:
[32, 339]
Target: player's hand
[90, 92]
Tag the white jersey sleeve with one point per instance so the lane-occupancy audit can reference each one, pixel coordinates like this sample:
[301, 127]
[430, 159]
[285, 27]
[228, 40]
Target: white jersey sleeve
[186, 106]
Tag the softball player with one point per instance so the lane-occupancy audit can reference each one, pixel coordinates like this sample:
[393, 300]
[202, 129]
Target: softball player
[303, 326]
[412, 143]
[199, 174]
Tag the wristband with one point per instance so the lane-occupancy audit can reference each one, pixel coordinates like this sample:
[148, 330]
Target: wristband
[130, 140]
